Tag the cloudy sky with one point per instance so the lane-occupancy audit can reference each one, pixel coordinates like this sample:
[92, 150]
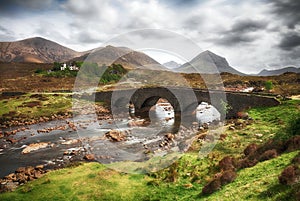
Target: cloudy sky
[251, 35]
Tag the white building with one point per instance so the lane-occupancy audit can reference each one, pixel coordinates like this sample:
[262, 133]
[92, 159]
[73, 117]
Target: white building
[71, 67]
[63, 66]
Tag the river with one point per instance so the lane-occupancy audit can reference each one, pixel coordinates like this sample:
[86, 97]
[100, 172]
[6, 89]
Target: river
[139, 141]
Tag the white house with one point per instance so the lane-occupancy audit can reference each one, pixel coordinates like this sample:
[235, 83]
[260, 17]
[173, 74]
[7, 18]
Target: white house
[63, 66]
[71, 67]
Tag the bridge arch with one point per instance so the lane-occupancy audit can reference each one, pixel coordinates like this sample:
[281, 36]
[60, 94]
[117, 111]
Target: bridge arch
[144, 99]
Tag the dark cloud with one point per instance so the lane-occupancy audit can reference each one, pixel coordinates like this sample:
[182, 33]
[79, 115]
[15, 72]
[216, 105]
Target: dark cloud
[240, 32]
[290, 41]
[288, 11]
[181, 3]
[4, 30]
[231, 39]
[153, 34]
[86, 37]
[6, 35]
[193, 22]
[16, 6]
[247, 25]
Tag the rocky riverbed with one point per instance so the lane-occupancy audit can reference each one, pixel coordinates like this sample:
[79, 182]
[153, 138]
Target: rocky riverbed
[86, 137]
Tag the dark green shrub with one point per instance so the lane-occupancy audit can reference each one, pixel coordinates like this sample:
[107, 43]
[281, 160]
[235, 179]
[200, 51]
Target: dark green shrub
[293, 127]
[37, 71]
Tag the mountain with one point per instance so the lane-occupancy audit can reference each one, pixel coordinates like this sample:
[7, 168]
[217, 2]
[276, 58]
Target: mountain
[37, 50]
[128, 58]
[208, 63]
[278, 71]
[172, 64]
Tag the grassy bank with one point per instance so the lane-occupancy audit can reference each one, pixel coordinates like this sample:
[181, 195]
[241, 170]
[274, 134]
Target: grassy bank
[185, 178]
[93, 181]
[34, 106]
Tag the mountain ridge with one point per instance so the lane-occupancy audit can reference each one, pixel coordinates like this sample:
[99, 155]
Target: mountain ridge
[127, 57]
[171, 64]
[35, 49]
[280, 71]
[207, 62]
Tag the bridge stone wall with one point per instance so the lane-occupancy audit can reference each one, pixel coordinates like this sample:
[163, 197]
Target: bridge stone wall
[183, 100]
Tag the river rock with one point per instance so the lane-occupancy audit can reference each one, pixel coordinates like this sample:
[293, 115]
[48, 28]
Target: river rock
[170, 136]
[243, 115]
[89, 157]
[39, 167]
[116, 135]
[12, 140]
[34, 147]
[140, 122]
[72, 141]
[8, 186]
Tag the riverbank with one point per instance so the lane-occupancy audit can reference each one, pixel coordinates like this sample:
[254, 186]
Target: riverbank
[33, 108]
[185, 178]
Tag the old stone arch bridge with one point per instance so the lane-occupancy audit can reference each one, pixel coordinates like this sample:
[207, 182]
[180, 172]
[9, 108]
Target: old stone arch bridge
[183, 100]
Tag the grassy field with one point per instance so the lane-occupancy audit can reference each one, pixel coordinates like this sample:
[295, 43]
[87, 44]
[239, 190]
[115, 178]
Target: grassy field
[185, 178]
[33, 106]
[93, 181]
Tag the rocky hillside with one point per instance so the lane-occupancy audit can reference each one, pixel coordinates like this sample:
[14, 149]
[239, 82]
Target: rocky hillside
[279, 71]
[128, 58]
[36, 50]
[172, 64]
[207, 62]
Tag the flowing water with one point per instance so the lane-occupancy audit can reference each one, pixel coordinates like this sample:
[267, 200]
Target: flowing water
[92, 139]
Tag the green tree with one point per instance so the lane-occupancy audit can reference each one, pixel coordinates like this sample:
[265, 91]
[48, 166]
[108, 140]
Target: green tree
[268, 85]
[56, 66]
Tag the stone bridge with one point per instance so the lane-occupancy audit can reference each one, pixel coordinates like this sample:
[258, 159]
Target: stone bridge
[183, 100]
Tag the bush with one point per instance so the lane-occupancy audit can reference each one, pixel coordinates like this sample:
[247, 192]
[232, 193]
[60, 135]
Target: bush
[293, 143]
[211, 187]
[56, 66]
[268, 155]
[37, 71]
[227, 163]
[289, 175]
[250, 149]
[293, 127]
[113, 73]
[296, 160]
[245, 163]
[268, 85]
[228, 177]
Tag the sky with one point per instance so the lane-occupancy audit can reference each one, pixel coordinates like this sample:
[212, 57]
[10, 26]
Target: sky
[251, 34]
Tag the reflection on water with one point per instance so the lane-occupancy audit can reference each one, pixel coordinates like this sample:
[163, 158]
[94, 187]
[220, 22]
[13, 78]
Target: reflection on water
[164, 114]
[206, 113]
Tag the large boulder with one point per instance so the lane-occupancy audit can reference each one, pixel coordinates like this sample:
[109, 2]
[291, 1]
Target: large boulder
[89, 157]
[116, 135]
[34, 147]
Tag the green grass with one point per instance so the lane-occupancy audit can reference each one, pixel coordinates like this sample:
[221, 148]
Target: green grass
[258, 183]
[48, 106]
[93, 181]
[90, 181]
[58, 73]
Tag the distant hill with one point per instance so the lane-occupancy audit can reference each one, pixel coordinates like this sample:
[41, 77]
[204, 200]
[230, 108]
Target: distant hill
[36, 50]
[172, 64]
[207, 62]
[278, 71]
[128, 58]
